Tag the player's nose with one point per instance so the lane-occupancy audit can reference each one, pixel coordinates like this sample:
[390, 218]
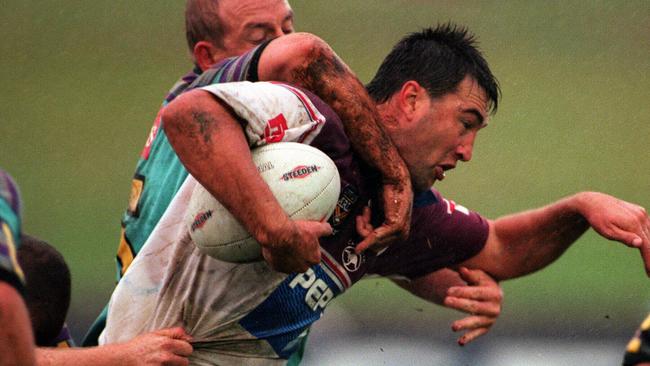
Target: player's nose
[465, 148]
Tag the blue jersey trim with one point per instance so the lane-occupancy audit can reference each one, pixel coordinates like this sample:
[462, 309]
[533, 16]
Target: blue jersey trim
[425, 199]
[283, 330]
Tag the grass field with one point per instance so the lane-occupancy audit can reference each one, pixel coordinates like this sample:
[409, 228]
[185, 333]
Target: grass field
[82, 82]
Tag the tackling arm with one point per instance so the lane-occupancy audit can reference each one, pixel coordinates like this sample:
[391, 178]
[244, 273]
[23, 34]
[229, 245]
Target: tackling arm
[307, 61]
[169, 347]
[522, 243]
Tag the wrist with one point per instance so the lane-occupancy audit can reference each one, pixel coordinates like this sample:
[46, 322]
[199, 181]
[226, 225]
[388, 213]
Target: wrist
[274, 231]
[579, 202]
[395, 173]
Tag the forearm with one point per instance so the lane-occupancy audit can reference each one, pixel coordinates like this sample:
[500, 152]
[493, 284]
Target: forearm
[16, 339]
[525, 242]
[307, 61]
[198, 127]
[433, 287]
[95, 356]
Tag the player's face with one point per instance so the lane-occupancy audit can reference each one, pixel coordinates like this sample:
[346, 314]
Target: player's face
[444, 133]
[247, 23]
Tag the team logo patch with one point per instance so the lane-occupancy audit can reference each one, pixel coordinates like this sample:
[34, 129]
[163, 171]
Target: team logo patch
[300, 172]
[274, 130]
[348, 197]
[200, 219]
[351, 260]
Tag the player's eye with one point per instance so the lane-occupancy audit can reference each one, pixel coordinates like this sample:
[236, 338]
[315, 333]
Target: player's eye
[287, 27]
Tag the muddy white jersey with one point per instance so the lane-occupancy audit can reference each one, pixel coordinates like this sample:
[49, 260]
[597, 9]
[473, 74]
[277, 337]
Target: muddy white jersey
[248, 313]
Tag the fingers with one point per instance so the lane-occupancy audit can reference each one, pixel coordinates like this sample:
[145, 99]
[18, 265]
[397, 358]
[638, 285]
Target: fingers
[178, 342]
[472, 322]
[180, 348]
[367, 242]
[476, 277]
[174, 333]
[487, 308]
[476, 326]
[626, 237]
[643, 241]
[300, 250]
[397, 222]
[378, 239]
[471, 335]
[482, 293]
[645, 255]
[364, 227]
[176, 361]
[322, 229]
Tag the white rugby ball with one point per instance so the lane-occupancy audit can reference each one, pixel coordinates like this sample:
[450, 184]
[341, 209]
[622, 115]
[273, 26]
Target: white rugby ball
[302, 178]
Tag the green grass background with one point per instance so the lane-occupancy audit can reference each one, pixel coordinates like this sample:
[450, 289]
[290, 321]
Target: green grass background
[81, 83]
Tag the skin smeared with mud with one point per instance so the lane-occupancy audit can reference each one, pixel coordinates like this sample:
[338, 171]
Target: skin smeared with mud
[327, 76]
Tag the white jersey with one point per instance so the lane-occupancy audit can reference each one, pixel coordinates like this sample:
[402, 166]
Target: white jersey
[248, 314]
[170, 283]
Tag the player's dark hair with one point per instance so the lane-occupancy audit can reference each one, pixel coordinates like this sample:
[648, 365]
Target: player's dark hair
[202, 23]
[47, 290]
[438, 59]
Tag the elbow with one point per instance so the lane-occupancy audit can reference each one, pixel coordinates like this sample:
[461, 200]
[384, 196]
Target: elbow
[294, 57]
[176, 116]
[171, 114]
[308, 47]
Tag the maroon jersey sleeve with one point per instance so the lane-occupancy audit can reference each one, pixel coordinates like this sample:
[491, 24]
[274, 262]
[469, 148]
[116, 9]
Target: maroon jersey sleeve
[442, 234]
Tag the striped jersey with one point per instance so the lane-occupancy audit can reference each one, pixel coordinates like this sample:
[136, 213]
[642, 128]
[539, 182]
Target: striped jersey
[249, 314]
[10, 229]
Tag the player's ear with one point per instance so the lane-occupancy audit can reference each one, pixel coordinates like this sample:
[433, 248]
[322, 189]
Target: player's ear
[205, 54]
[410, 98]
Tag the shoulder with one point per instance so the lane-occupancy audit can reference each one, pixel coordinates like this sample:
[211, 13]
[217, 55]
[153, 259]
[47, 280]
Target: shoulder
[443, 233]
[9, 192]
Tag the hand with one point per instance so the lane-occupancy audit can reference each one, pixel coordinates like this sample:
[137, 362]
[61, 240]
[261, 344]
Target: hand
[297, 248]
[398, 204]
[169, 347]
[481, 298]
[618, 220]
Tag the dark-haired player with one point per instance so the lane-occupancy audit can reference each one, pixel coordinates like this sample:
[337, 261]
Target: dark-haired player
[434, 92]
[47, 293]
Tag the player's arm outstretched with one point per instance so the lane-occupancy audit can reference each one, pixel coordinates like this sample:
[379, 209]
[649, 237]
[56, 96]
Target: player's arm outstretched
[525, 242]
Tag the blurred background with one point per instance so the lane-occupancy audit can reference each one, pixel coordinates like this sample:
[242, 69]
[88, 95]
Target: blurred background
[82, 81]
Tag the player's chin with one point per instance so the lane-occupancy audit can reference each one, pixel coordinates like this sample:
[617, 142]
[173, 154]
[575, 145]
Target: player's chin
[422, 186]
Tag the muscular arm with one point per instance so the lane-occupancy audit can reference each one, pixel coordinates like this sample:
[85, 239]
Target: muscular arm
[307, 61]
[522, 243]
[163, 347]
[16, 339]
[211, 144]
